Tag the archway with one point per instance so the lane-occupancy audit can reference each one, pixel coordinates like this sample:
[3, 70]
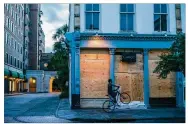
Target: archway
[32, 84]
[51, 84]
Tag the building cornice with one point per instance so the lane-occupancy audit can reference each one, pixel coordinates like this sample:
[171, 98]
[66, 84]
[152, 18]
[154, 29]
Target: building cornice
[131, 37]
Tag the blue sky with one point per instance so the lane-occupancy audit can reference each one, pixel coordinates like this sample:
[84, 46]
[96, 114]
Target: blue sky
[54, 16]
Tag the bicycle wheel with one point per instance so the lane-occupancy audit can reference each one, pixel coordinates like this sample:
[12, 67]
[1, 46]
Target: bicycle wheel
[125, 98]
[108, 106]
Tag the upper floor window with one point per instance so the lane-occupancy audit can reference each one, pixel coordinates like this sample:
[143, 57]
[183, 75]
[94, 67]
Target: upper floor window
[160, 17]
[127, 17]
[6, 38]
[18, 48]
[7, 57]
[92, 16]
[15, 45]
[18, 63]
[21, 50]
[15, 62]
[11, 60]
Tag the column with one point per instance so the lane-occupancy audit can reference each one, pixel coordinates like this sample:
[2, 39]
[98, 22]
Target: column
[112, 64]
[146, 79]
[75, 71]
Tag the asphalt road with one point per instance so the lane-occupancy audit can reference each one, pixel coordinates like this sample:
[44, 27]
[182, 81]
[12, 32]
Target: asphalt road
[34, 108]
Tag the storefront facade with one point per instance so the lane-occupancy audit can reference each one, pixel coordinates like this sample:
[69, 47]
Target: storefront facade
[95, 58]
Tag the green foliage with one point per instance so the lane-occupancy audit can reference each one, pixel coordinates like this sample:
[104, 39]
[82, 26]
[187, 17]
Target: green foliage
[64, 94]
[59, 62]
[173, 61]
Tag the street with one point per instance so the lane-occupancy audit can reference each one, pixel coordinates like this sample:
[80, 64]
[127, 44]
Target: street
[34, 108]
[48, 108]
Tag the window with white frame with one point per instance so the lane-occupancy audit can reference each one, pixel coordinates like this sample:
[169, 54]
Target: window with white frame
[8, 23]
[6, 37]
[11, 25]
[15, 62]
[92, 12]
[127, 13]
[15, 45]
[18, 48]
[160, 17]
[7, 57]
[21, 50]
[18, 63]
[11, 60]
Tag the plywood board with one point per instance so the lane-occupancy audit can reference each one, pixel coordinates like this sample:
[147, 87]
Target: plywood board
[119, 65]
[136, 67]
[160, 87]
[137, 87]
[94, 73]
[154, 54]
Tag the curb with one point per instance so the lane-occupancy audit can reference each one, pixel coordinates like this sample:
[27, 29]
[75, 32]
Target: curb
[13, 94]
[118, 120]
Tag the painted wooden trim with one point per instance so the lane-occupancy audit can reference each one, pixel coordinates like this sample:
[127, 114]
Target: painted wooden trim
[146, 79]
[112, 64]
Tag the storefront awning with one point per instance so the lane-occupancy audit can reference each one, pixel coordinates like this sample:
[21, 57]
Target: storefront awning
[14, 74]
[21, 75]
[6, 72]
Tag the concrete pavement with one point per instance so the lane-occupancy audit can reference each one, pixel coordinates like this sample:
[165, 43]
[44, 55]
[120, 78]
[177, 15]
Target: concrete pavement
[120, 115]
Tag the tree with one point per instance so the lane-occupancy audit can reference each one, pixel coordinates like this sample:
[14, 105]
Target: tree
[59, 62]
[174, 61]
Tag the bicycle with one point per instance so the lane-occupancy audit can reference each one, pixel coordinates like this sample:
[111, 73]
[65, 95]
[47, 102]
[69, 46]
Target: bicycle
[110, 104]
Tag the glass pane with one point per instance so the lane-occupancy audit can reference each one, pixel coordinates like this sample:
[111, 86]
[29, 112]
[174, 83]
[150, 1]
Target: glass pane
[95, 7]
[130, 8]
[163, 8]
[163, 22]
[123, 22]
[96, 21]
[88, 7]
[156, 8]
[156, 22]
[123, 7]
[89, 21]
[130, 22]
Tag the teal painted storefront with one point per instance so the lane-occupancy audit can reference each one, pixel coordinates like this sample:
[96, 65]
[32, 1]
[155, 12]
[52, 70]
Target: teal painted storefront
[145, 42]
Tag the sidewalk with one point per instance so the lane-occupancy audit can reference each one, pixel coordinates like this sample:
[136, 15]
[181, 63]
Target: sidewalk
[98, 115]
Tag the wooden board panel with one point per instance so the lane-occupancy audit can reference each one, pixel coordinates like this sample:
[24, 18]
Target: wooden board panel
[136, 67]
[137, 87]
[119, 65]
[130, 77]
[160, 87]
[94, 73]
[124, 80]
[153, 54]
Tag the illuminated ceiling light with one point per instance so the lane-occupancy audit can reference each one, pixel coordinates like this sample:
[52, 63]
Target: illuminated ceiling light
[34, 81]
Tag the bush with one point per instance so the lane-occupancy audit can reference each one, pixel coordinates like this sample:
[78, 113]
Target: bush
[64, 94]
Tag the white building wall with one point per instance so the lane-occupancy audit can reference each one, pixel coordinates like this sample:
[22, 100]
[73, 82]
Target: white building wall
[71, 14]
[110, 18]
[183, 16]
[172, 19]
